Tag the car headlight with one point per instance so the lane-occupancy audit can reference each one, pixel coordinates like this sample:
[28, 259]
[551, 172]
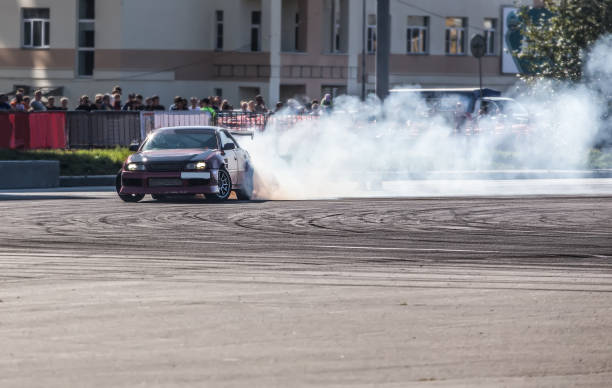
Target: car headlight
[196, 166]
[136, 167]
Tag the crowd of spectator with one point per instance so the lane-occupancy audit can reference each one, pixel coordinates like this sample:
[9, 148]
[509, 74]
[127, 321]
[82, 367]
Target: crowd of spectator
[136, 102]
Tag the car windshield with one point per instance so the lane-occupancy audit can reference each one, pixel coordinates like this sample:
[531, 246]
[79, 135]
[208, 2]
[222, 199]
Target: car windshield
[510, 107]
[179, 139]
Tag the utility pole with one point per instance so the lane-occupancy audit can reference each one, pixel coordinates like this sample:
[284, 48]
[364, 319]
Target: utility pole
[383, 48]
[364, 75]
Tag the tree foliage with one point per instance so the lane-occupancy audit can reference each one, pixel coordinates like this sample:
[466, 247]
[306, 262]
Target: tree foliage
[557, 42]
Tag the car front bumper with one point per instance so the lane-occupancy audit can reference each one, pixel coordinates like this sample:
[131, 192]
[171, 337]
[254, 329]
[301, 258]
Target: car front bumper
[146, 182]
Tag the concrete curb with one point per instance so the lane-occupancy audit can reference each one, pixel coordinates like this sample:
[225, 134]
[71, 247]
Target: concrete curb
[91, 180]
[514, 174]
[29, 174]
[109, 180]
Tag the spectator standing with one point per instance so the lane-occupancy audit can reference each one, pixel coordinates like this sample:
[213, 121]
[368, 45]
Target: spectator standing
[225, 106]
[84, 104]
[155, 104]
[148, 104]
[279, 106]
[117, 101]
[26, 103]
[98, 103]
[178, 102]
[193, 104]
[215, 103]
[207, 108]
[106, 102]
[138, 103]
[116, 90]
[326, 102]
[315, 108]
[19, 105]
[51, 104]
[19, 92]
[37, 105]
[260, 105]
[130, 102]
[251, 106]
[244, 106]
[460, 116]
[4, 105]
[64, 102]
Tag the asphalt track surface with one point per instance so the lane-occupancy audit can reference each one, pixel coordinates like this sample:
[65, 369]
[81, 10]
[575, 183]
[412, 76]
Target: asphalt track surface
[456, 291]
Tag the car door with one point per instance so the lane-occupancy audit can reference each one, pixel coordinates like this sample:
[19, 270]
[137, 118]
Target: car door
[230, 156]
[243, 160]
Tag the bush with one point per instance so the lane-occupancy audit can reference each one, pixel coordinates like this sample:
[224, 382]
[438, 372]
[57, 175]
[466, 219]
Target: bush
[75, 162]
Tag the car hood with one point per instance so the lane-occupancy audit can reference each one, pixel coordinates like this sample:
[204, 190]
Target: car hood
[181, 155]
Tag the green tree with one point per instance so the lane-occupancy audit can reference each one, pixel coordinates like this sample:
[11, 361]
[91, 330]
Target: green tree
[557, 42]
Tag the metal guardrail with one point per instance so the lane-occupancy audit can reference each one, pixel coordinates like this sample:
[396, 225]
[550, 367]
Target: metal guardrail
[101, 129]
[241, 120]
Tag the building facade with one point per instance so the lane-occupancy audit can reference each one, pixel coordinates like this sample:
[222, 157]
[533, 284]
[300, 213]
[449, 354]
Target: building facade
[240, 48]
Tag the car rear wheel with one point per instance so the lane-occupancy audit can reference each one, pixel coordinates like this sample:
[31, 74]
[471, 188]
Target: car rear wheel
[126, 197]
[225, 187]
[246, 193]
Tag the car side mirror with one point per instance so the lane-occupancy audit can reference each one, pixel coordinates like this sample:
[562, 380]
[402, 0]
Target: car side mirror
[229, 146]
[134, 146]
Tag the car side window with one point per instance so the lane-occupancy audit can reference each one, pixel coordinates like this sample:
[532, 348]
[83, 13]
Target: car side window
[225, 139]
[233, 139]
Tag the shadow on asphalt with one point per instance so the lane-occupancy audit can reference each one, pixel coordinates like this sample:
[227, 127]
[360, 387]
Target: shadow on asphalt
[30, 197]
[202, 200]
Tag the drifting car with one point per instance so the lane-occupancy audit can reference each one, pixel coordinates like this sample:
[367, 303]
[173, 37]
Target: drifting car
[187, 161]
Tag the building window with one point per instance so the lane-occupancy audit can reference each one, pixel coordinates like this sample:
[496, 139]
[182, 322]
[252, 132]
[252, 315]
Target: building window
[489, 35]
[416, 34]
[36, 27]
[335, 26]
[455, 36]
[218, 92]
[296, 38]
[86, 43]
[371, 34]
[87, 9]
[255, 31]
[219, 22]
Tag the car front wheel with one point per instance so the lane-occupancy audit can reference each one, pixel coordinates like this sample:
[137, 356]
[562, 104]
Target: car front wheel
[225, 187]
[126, 197]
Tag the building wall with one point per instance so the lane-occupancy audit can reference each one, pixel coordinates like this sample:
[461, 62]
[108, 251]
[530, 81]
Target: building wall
[168, 48]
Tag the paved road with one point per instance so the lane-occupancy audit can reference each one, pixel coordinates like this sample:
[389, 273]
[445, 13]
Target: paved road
[481, 291]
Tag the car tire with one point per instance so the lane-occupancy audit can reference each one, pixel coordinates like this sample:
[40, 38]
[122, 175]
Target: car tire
[126, 197]
[225, 187]
[246, 193]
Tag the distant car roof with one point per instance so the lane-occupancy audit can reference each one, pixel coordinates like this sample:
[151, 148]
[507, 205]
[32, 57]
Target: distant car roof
[499, 99]
[485, 91]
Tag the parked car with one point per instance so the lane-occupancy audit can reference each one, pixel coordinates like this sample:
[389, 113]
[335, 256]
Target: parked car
[473, 106]
[187, 160]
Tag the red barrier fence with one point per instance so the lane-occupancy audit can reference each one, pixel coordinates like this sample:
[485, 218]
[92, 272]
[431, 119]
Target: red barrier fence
[20, 130]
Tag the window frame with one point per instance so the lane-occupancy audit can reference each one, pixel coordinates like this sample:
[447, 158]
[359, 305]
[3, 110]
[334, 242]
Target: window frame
[45, 30]
[296, 31]
[371, 35]
[488, 32]
[85, 49]
[219, 37]
[257, 29]
[423, 35]
[460, 31]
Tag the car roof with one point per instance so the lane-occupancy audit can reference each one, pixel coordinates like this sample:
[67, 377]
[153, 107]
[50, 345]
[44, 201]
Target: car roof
[192, 127]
